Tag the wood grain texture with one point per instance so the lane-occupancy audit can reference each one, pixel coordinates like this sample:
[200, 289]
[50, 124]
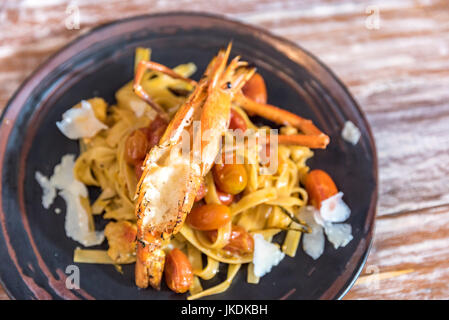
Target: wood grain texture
[399, 74]
[421, 246]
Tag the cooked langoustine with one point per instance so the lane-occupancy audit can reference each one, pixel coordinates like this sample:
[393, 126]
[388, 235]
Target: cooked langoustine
[171, 178]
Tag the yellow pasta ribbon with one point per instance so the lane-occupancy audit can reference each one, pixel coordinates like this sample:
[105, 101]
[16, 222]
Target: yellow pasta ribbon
[232, 271]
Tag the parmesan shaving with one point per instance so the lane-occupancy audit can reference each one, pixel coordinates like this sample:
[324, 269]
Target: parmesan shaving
[49, 191]
[266, 255]
[313, 242]
[334, 209]
[71, 190]
[339, 234]
[351, 133]
[80, 122]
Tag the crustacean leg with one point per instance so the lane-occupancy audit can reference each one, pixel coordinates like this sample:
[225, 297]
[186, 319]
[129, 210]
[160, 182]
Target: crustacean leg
[154, 66]
[311, 136]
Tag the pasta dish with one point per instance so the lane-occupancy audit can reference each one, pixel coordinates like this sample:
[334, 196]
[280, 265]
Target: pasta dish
[189, 184]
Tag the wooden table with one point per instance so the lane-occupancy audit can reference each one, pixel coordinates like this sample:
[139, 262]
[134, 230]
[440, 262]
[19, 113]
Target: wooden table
[394, 57]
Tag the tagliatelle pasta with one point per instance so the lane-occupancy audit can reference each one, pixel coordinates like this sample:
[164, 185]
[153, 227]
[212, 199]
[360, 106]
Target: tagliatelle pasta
[190, 235]
[94, 256]
[265, 206]
[232, 271]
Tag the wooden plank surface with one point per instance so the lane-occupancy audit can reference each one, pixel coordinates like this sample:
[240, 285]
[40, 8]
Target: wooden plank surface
[397, 68]
[421, 248]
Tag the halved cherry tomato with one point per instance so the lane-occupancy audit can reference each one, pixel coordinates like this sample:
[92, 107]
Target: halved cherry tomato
[319, 186]
[225, 198]
[136, 147]
[237, 121]
[230, 178]
[156, 136]
[178, 271]
[240, 241]
[154, 125]
[155, 131]
[255, 89]
[201, 192]
[209, 216]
